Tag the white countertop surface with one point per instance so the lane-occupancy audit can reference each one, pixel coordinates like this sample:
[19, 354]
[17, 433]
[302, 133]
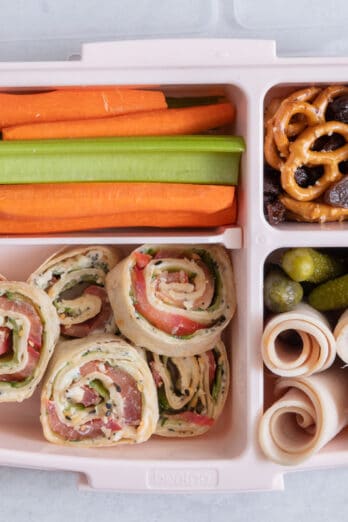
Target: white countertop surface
[28, 495]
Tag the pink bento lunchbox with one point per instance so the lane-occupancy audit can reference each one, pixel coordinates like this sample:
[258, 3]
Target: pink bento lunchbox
[228, 457]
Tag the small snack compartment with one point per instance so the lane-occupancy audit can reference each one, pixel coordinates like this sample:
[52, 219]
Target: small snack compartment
[305, 153]
[304, 353]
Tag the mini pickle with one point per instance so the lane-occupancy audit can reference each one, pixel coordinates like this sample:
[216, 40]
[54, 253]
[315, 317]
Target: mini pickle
[331, 295]
[310, 265]
[281, 294]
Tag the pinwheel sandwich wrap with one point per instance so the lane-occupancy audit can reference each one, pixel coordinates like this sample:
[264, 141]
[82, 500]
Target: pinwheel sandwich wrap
[29, 331]
[173, 300]
[191, 391]
[98, 391]
[74, 280]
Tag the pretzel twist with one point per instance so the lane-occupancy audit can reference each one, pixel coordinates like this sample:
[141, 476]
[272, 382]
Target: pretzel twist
[280, 126]
[312, 211]
[301, 154]
[327, 96]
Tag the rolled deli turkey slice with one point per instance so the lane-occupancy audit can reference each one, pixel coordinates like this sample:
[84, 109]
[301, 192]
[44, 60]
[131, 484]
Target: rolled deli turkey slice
[299, 342]
[29, 330]
[98, 391]
[341, 336]
[173, 299]
[74, 279]
[309, 413]
[191, 391]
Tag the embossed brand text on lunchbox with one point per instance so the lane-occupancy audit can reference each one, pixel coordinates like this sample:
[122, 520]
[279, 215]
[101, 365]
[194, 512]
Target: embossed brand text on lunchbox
[182, 478]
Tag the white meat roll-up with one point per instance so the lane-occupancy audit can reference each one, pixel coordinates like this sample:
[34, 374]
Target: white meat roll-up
[173, 300]
[74, 279]
[191, 391]
[98, 391]
[298, 343]
[29, 330]
[341, 336]
[309, 412]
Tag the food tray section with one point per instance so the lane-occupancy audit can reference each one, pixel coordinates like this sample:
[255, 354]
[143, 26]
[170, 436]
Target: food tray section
[228, 457]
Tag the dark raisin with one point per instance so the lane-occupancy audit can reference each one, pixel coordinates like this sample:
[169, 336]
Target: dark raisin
[337, 194]
[306, 176]
[268, 199]
[329, 143]
[271, 184]
[343, 167]
[338, 109]
[275, 212]
[273, 209]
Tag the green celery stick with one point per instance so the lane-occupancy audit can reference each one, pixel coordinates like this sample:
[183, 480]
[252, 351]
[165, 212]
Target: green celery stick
[174, 159]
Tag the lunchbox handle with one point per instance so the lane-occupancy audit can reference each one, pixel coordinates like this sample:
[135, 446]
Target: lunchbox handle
[206, 52]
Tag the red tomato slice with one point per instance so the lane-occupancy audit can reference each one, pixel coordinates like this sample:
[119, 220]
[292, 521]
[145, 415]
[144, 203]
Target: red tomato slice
[142, 259]
[173, 324]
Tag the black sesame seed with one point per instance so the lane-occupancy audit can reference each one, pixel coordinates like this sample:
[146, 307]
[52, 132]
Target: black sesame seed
[108, 405]
[118, 388]
[108, 413]
[67, 417]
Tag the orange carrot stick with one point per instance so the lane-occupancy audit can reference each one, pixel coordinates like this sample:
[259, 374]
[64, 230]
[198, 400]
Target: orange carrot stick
[188, 120]
[76, 104]
[46, 208]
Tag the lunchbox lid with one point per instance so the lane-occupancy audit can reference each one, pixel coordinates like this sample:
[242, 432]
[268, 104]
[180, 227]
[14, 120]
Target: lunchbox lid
[51, 30]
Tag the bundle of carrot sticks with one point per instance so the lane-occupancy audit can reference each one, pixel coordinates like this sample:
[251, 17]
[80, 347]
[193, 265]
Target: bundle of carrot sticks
[81, 159]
